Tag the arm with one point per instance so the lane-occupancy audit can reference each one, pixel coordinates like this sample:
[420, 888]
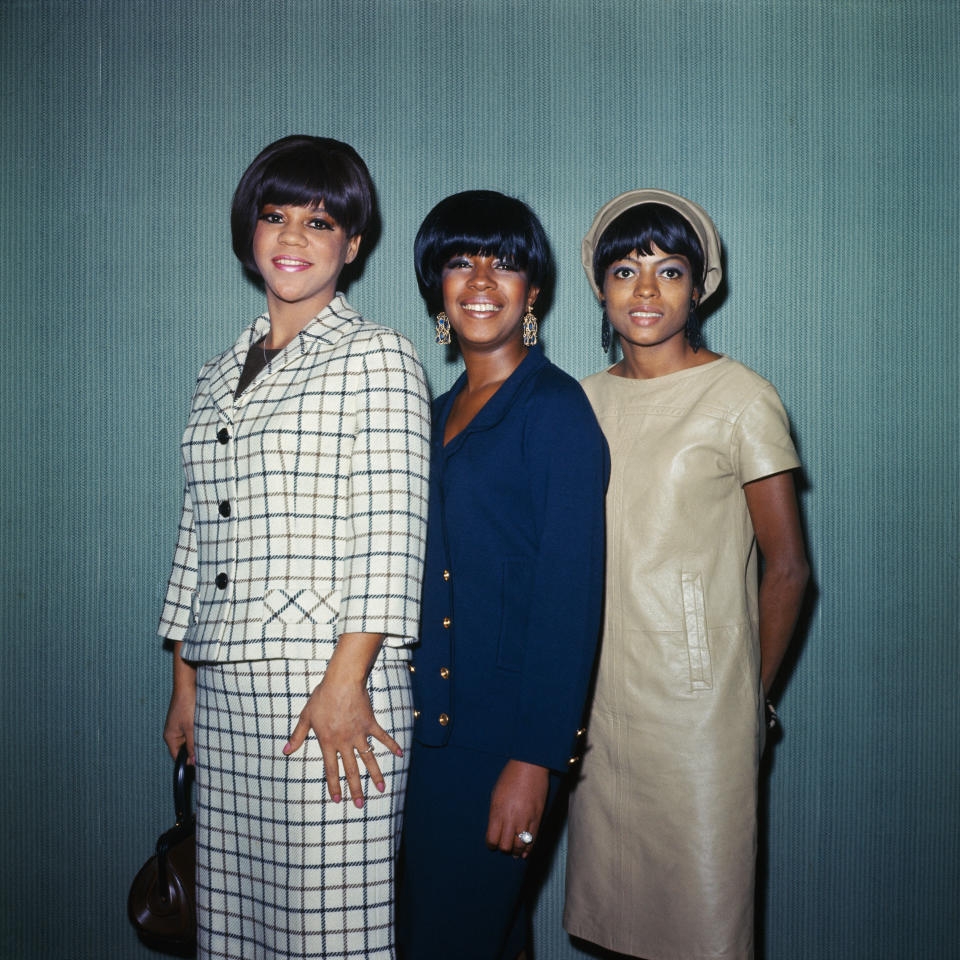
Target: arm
[380, 592]
[179, 726]
[772, 503]
[569, 466]
[339, 713]
[174, 622]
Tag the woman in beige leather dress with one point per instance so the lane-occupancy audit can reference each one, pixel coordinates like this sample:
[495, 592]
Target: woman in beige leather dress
[662, 834]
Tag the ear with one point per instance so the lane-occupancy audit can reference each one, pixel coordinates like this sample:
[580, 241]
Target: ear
[532, 294]
[353, 248]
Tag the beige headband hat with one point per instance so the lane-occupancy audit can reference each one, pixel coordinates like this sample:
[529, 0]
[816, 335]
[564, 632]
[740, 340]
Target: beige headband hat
[696, 216]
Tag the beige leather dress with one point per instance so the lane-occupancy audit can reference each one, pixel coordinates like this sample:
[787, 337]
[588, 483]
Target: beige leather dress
[662, 831]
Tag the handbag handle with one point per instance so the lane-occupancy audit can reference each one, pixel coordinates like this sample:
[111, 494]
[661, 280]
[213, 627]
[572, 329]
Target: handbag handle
[181, 786]
[181, 803]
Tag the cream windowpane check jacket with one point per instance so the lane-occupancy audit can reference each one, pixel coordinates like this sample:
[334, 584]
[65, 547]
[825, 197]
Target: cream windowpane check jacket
[306, 497]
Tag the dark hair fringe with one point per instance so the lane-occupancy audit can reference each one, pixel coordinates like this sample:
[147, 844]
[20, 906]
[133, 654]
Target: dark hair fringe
[303, 171]
[642, 227]
[485, 223]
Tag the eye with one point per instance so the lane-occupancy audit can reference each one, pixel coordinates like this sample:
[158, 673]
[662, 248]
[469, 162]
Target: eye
[507, 265]
[672, 273]
[457, 263]
[318, 223]
[271, 216]
[621, 273]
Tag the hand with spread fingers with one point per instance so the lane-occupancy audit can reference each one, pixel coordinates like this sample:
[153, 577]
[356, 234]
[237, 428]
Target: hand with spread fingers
[340, 715]
[516, 806]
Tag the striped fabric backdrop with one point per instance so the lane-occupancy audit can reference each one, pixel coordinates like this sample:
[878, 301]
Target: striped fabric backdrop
[823, 138]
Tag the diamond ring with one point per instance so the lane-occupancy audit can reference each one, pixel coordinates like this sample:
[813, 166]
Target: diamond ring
[525, 836]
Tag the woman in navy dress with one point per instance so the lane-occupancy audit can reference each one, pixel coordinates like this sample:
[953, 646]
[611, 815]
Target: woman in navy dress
[513, 584]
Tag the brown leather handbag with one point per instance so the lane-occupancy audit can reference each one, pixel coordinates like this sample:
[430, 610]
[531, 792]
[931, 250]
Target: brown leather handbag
[162, 900]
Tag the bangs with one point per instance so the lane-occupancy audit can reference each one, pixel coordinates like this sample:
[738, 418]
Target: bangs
[494, 242]
[642, 228]
[309, 182]
[480, 223]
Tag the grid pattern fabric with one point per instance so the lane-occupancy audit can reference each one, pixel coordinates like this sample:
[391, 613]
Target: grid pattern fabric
[282, 871]
[305, 502]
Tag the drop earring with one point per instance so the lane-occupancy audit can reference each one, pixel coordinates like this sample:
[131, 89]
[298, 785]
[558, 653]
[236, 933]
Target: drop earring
[529, 327]
[693, 332]
[443, 328]
[605, 331]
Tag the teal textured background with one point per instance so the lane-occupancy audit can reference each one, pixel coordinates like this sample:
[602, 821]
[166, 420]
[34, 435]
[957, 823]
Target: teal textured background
[822, 137]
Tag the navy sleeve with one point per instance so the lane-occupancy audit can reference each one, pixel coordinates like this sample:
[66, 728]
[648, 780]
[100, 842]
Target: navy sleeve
[569, 466]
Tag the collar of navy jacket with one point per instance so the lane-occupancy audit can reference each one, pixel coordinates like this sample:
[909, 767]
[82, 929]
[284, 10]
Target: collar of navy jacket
[493, 411]
[335, 320]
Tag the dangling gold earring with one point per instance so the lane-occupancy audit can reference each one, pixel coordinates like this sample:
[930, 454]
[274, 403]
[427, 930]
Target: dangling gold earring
[529, 327]
[443, 328]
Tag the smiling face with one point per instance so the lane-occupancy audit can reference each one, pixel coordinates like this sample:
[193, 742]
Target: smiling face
[647, 299]
[300, 252]
[485, 298]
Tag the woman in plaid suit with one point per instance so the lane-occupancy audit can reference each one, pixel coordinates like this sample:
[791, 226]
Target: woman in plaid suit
[512, 594]
[296, 580]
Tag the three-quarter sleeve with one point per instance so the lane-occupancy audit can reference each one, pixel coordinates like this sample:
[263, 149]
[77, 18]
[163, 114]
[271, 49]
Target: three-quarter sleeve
[569, 468]
[177, 608]
[389, 472]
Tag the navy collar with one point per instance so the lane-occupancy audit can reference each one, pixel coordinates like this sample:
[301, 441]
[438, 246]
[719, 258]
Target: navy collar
[496, 408]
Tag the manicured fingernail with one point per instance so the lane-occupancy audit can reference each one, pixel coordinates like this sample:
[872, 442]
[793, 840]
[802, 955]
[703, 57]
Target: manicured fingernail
[358, 802]
[399, 752]
[336, 798]
[381, 786]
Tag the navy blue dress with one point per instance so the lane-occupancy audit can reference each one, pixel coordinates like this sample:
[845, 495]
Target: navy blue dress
[511, 614]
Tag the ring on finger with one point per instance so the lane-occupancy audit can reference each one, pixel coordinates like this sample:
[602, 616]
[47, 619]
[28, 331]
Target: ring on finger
[525, 836]
[361, 753]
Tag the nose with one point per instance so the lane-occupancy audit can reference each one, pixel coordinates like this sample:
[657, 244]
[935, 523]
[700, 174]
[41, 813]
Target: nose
[646, 284]
[292, 233]
[483, 276]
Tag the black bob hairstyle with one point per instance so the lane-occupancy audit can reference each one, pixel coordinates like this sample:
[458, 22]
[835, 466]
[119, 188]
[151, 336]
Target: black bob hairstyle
[484, 223]
[305, 172]
[639, 228]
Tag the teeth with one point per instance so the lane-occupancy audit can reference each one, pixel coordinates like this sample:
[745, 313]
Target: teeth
[638, 313]
[481, 307]
[291, 263]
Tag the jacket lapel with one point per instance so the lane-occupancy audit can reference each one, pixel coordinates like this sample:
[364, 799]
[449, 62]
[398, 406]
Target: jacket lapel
[322, 333]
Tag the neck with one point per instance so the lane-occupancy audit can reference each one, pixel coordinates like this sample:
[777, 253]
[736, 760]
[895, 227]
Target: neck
[484, 369]
[288, 319]
[646, 363]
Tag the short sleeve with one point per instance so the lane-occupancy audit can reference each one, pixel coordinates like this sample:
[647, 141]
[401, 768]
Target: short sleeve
[761, 439]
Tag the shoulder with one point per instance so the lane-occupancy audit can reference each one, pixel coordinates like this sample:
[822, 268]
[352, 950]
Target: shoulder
[556, 398]
[365, 336]
[737, 388]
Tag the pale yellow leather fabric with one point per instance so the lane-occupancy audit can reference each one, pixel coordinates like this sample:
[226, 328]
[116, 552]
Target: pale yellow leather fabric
[662, 832]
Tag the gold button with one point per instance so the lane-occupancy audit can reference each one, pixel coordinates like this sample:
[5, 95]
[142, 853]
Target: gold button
[411, 668]
[572, 760]
[581, 731]
[444, 672]
[446, 574]
[416, 714]
[444, 719]
[446, 623]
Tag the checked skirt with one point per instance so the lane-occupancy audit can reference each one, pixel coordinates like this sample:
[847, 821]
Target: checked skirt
[282, 871]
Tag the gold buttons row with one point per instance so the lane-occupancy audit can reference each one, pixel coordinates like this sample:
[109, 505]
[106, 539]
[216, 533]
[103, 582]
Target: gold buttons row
[446, 574]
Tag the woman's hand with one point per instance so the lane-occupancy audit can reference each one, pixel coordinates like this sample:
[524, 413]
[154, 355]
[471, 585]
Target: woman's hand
[340, 715]
[516, 805]
[178, 729]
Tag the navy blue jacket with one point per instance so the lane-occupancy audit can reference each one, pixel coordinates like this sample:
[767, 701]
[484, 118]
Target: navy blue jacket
[514, 571]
